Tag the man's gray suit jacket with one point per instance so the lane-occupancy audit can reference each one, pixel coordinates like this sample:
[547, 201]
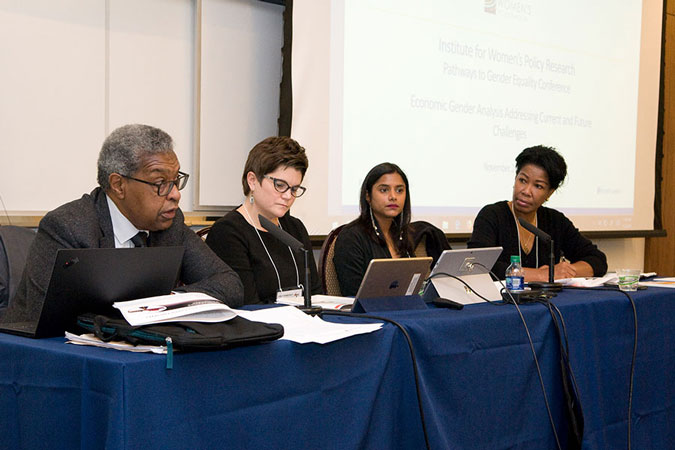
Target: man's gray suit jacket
[86, 223]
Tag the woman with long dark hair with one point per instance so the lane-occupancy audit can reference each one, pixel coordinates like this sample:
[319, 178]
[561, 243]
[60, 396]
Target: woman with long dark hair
[382, 229]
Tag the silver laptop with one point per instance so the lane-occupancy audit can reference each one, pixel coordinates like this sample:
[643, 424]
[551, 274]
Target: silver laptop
[394, 277]
[472, 266]
[91, 279]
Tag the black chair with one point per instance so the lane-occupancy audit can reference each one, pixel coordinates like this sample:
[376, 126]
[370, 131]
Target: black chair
[14, 244]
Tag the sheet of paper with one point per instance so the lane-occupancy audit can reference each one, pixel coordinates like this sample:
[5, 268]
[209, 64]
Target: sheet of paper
[303, 328]
[590, 281]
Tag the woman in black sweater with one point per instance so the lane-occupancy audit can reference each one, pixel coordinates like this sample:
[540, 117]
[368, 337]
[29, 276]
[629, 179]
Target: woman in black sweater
[539, 172]
[380, 231]
[271, 182]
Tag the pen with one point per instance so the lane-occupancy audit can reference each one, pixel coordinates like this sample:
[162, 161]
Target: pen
[562, 257]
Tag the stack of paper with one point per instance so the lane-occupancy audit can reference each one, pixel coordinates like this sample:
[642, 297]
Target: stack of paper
[90, 339]
[660, 282]
[612, 279]
[178, 307]
[590, 281]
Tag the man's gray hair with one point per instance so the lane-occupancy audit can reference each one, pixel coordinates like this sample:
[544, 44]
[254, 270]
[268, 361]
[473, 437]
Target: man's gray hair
[124, 149]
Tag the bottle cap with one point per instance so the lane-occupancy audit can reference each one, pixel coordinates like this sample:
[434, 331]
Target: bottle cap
[515, 258]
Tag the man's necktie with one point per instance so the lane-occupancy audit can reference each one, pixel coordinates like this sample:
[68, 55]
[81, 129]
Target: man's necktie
[140, 240]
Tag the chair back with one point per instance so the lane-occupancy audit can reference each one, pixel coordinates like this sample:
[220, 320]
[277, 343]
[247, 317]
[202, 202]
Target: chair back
[421, 249]
[14, 244]
[329, 280]
[428, 240]
[204, 232]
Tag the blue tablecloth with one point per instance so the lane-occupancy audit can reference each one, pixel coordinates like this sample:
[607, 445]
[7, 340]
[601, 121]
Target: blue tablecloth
[481, 388]
[478, 384]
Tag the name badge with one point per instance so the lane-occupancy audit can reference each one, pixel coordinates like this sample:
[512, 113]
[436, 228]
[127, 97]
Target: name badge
[289, 293]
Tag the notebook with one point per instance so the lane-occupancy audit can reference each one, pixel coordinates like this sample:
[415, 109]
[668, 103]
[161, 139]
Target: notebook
[466, 264]
[91, 279]
[394, 277]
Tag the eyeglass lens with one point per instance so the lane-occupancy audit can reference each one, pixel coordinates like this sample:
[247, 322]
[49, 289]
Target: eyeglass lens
[281, 186]
[166, 187]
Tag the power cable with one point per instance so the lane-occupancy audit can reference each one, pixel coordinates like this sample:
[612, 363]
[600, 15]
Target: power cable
[529, 338]
[635, 343]
[412, 356]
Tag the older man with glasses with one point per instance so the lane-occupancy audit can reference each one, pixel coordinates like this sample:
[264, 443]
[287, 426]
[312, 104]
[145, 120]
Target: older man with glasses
[136, 204]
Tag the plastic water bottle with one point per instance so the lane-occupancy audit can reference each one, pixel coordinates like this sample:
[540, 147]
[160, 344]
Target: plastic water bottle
[514, 275]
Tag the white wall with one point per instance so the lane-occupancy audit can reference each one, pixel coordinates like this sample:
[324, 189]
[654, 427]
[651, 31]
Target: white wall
[241, 72]
[52, 102]
[623, 253]
[74, 70]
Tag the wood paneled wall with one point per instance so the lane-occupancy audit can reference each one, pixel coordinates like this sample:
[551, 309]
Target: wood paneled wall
[660, 252]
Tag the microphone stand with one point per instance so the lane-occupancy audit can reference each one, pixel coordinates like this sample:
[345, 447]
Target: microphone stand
[551, 286]
[551, 265]
[307, 307]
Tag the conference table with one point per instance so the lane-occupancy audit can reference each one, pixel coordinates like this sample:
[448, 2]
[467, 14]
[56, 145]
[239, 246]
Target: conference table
[478, 385]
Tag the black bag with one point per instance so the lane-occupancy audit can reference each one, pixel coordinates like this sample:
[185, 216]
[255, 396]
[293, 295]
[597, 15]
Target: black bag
[183, 336]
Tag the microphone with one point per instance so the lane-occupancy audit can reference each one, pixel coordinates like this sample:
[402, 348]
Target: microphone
[280, 234]
[296, 245]
[551, 285]
[534, 230]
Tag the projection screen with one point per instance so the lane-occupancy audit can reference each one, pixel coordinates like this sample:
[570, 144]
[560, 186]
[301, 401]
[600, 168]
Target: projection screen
[452, 91]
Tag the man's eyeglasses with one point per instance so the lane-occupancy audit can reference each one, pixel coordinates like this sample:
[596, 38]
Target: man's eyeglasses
[164, 187]
[281, 186]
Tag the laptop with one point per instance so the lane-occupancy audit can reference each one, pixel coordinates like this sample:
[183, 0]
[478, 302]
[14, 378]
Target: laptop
[92, 279]
[391, 284]
[394, 277]
[466, 264]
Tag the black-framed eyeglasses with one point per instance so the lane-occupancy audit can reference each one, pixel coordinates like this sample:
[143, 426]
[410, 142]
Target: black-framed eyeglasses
[281, 186]
[164, 187]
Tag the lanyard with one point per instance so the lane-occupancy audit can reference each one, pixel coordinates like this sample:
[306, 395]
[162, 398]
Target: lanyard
[536, 238]
[297, 273]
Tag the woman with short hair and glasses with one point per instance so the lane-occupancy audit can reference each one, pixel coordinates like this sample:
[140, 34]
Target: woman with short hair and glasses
[271, 182]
